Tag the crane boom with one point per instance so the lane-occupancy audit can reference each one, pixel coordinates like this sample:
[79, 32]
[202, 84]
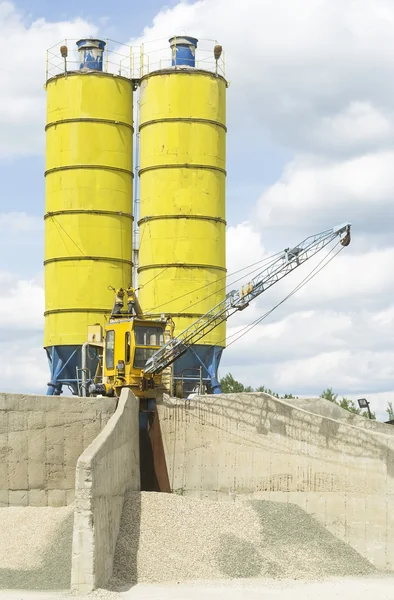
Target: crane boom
[235, 301]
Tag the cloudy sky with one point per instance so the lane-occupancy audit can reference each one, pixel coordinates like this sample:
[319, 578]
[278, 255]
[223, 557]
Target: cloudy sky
[310, 145]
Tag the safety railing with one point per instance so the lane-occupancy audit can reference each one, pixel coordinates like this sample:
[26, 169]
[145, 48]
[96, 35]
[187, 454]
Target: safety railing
[118, 58]
[156, 55]
[132, 62]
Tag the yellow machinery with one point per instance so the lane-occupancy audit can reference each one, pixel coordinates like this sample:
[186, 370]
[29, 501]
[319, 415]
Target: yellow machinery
[182, 200]
[133, 341]
[130, 340]
[88, 220]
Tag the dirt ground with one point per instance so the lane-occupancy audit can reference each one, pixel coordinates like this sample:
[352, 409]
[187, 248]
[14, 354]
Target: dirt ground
[377, 586]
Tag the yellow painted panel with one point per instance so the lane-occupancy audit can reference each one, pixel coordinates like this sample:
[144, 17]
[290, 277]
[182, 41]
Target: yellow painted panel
[88, 189]
[83, 143]
[184, 94]
[69, 328]
[78, 285]
[183, 290]
[182, 241]
[178, 143]
[172, 288]
[189, 192]
[90, 95]
[88, 235]
[83, 284]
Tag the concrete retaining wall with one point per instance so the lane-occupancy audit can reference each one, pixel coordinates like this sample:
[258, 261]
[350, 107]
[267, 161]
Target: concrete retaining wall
[107, 469]
[41, 438]
[340, 472]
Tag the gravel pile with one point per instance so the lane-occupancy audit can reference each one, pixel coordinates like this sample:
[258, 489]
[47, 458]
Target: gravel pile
[166, 537]
[35, 548]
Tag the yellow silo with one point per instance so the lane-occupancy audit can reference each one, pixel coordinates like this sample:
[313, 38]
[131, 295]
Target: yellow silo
[182, 228]
[88, 219]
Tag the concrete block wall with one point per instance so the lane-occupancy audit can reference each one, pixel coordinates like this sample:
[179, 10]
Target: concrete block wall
[106, 470]
[41, 438]
[340, 470]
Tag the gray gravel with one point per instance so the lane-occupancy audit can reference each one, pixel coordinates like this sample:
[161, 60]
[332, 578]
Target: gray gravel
[169, 538]
[35, 548]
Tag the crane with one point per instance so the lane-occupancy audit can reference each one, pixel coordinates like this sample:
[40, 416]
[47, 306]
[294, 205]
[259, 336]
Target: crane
[135, 354]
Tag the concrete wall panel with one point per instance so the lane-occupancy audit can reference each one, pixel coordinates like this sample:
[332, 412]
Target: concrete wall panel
[106, 470]
[41, 438]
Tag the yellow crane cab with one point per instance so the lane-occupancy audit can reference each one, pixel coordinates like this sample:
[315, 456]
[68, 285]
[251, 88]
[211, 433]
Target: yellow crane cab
[128, 344]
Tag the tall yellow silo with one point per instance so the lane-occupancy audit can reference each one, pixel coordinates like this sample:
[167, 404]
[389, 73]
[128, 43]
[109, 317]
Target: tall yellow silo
[182, 227]
[88, 219]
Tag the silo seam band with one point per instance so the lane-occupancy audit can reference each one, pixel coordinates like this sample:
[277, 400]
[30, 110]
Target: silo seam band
[55, 311]
[87, 74]
[94, 258]
[182, 166]
[166, 217]
[182, 265]
[183, 120]
[88, 212]
[189, 72]
[88, 120]
[99, 167]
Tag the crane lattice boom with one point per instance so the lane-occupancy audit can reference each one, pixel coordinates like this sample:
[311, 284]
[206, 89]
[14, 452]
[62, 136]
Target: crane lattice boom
[238, 300]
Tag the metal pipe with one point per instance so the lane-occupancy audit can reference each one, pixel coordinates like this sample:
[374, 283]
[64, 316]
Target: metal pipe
[84, 349]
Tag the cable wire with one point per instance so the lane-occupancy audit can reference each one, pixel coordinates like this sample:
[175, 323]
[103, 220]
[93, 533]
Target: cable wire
[153, 278]
[226, 286]
[149, 310]
[68, 235]
[306, 280]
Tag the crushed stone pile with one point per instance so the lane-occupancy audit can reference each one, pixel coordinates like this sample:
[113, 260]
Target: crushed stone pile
[35, 548]
[166, 537]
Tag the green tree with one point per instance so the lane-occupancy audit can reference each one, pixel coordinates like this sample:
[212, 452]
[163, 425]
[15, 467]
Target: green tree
[262, 388]
[230, 385]
[364, 413]
[345, 403]
[328, 394]
[349, 405]
[390, 411]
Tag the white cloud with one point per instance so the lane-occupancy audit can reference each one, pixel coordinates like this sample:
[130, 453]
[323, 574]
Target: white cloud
[24, 371]
[314, 73]
[244, 247]
[315, 193]
[22, 101]
[358, 124]
[21, 306]
[23, 360]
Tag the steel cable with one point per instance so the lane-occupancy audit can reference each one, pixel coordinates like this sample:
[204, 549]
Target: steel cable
[306, 280]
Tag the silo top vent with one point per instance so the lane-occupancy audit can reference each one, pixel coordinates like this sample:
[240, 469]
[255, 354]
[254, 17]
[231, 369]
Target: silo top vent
[91, 54]
[183, 51]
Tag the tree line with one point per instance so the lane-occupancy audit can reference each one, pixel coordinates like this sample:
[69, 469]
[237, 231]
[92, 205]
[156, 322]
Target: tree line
[230, 385]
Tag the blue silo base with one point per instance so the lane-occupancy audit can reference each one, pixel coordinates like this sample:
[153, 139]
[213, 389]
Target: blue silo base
[187, 368]
[65, 364]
